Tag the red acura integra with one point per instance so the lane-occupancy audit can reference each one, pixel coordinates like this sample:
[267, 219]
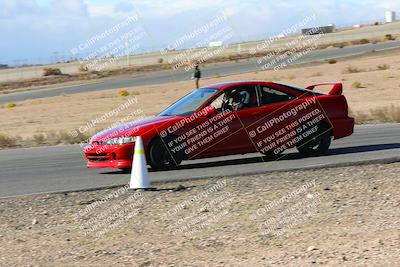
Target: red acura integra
[225, 119]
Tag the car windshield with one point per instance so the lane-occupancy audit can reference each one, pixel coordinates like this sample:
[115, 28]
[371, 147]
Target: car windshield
[190, 103]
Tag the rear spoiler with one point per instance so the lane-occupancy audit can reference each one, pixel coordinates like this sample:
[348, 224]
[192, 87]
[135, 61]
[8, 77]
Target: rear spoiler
[337, 88]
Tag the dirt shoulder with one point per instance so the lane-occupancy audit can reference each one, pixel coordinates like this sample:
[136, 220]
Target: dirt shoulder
[333, 217]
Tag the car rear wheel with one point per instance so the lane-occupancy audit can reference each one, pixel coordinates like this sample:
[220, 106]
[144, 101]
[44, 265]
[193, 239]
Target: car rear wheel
[162, 158]
[316, 143]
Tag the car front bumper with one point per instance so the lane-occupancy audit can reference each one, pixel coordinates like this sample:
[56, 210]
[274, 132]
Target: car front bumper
[114, 156]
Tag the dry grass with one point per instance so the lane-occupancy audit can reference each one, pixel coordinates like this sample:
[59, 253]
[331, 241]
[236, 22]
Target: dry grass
[123, 93]
[67, 138]
[382, 114]
[361, 41]
[50, 138]
[39, 139]
[383, 67]
[9, 105]
[351, 69]
[357, 85]
[389, 37]
[83, 69]
[51, 71]
[7, 141]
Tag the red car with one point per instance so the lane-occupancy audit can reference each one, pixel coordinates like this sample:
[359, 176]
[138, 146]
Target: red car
[229, 118]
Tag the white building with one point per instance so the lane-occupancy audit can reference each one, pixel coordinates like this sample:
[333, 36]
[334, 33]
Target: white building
[390, 16]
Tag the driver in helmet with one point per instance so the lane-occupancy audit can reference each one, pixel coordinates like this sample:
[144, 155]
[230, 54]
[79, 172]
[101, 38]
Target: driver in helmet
[240, 100]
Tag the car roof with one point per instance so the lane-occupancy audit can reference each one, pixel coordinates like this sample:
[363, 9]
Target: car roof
[224, 85]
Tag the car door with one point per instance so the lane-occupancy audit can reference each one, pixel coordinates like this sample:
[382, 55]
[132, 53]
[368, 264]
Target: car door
[248, 114]
[226, 132]
[267, 124]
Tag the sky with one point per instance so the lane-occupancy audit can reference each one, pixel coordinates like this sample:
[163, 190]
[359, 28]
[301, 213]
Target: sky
[37, 31]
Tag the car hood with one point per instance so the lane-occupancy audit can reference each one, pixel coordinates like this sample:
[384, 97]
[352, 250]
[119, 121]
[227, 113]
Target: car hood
[134, 128]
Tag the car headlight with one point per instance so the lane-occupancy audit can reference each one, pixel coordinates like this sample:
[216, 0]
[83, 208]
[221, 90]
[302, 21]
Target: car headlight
[120, 140]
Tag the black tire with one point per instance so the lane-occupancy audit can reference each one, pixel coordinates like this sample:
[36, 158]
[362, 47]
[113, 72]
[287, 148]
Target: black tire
[317, 143]
[162, 158]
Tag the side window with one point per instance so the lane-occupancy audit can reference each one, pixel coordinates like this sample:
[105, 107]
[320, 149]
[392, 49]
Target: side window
[272, 96]
[241, 98]
[218, 102]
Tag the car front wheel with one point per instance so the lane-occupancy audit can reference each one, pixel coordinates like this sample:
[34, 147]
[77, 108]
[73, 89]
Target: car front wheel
[162, 158]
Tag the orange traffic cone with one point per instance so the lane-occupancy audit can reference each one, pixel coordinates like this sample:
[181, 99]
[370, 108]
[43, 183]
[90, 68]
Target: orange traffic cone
[139, 174]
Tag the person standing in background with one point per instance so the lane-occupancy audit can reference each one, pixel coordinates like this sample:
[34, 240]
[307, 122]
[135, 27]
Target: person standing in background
[197, 75]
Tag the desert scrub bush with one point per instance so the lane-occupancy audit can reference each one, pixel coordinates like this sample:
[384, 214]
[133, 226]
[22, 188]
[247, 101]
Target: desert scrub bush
[51, 71]
[340, 45]
[83, 68]
[386, 114]
[389, 37]
[160, 60]
[68, 138]
[361, 117]
[7, 141]
[217, 75]
[356, 85]
[39, 139]
[381, 114]
[123, 93]
[351, 69]
[384, 67]
[332, 61]
[9, 105]
[362, 41]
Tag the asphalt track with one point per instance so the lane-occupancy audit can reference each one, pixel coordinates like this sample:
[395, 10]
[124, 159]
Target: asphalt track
[161, 77]
[62, 168]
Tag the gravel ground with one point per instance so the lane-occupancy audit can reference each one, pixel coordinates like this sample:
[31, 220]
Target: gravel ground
[333, 217]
